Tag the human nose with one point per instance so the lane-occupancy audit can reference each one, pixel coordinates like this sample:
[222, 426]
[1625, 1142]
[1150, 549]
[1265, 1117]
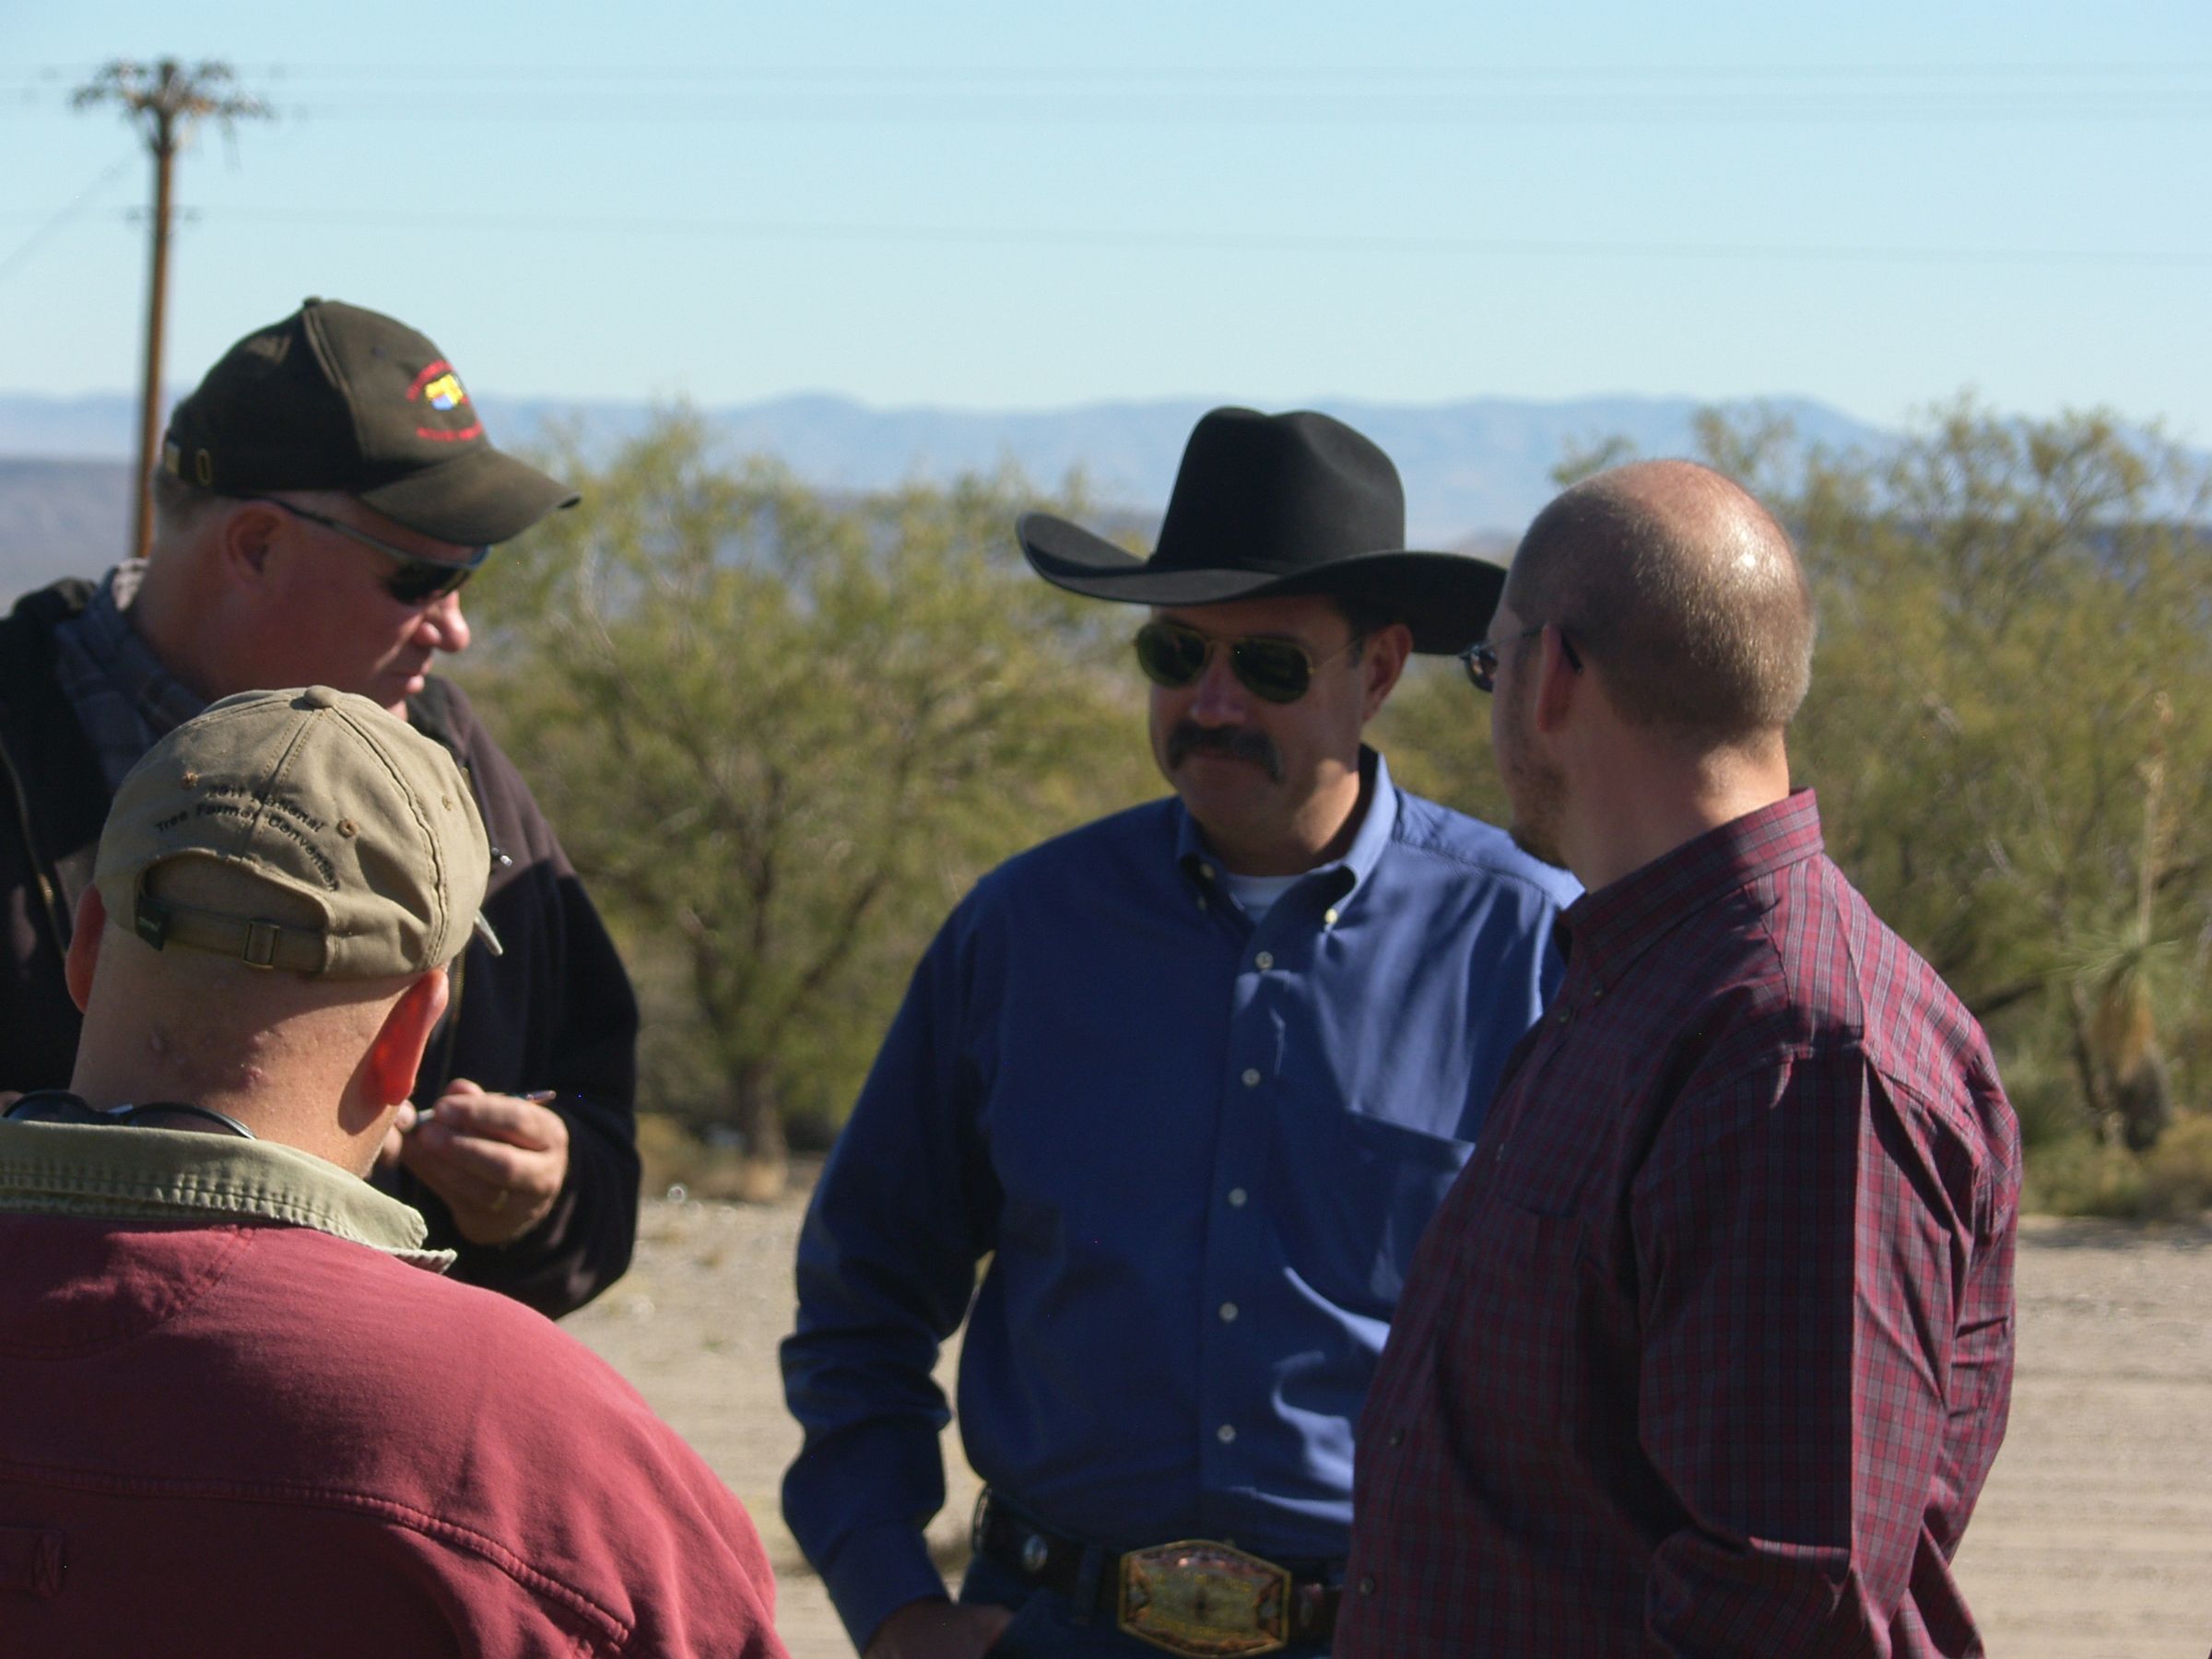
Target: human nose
[1219, 698]
[441, 625]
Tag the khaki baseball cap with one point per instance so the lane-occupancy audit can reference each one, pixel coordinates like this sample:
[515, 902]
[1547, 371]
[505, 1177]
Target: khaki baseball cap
[314, 794]
[338, 398]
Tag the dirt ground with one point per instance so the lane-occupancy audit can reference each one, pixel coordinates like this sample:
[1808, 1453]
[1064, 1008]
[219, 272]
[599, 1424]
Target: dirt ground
[2093, 1540]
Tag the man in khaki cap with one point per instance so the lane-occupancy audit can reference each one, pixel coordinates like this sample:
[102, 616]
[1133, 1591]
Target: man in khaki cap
[324, 493]
[238, 1403]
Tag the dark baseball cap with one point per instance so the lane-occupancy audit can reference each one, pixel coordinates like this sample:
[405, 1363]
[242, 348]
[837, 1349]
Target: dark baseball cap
[337, 397]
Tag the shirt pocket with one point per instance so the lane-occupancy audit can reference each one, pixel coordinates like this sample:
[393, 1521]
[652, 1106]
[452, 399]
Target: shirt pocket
[1354, 1195]
[1516, 1335]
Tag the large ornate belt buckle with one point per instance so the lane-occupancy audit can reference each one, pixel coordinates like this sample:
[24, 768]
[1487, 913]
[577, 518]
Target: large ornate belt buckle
[1204, 1598]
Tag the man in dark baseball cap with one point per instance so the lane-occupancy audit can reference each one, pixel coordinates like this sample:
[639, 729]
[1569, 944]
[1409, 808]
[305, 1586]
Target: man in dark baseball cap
[322, 497]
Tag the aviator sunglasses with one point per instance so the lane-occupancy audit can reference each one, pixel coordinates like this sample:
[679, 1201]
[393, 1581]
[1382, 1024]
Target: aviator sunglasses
[1276, 670]
[418, 580]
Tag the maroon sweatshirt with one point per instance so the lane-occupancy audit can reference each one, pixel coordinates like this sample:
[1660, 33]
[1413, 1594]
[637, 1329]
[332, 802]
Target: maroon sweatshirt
[262, 1439]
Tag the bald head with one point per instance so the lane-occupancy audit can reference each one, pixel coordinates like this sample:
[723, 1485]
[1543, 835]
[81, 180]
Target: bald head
[1683, 592]
[297, 1059]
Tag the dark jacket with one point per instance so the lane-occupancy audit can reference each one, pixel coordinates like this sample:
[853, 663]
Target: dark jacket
[555, 1012]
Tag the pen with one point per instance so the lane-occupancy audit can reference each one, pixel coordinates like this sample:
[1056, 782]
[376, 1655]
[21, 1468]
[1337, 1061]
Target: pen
[537, 1097]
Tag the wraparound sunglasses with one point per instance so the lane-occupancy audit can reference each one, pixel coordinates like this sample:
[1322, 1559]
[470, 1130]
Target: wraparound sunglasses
[418, 580]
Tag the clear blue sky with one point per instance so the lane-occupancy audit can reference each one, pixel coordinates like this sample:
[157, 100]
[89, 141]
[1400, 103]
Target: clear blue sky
[1030, 204]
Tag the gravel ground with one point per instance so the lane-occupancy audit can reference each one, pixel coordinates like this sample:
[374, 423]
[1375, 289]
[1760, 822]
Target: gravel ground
[2093, 1540]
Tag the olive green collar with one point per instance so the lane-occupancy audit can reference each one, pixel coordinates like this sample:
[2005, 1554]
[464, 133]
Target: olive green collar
[139, 1174]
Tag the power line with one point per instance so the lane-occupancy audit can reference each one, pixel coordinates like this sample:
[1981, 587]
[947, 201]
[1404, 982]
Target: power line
[1491, 96]
[1335, 74]
[77, 204]
[561, 225]
[1035, 111]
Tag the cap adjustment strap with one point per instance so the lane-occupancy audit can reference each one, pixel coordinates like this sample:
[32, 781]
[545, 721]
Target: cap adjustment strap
[257, 944]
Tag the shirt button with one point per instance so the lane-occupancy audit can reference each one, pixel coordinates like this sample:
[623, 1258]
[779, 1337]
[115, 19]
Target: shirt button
[1227, 1433]
[1229, 1312]
[1252, 1076]
[1206, 870]
[1264, 962]
[1398, 1437]
[1236, 1197]
[1329, 915]
[1367, 1586]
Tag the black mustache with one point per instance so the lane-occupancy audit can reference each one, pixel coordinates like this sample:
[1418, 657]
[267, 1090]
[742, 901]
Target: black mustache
[1238, 742]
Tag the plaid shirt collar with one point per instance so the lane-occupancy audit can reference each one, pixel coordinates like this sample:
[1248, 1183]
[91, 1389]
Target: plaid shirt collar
[1607, 930]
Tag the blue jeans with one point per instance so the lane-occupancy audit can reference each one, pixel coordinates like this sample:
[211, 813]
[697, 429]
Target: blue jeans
[1045, 1625]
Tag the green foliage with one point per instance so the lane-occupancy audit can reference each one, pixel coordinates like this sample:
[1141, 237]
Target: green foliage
[2085, 1177]
[781, 733]
[1436, 730]
[2082, 1175]
[2177, 1173]
[2010, 727]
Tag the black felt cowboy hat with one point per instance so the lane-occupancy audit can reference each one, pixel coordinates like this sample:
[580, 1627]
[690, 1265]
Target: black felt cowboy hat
[1267, 504]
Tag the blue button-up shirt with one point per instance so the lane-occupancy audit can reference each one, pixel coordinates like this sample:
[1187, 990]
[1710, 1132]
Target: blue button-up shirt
[1198, 1153]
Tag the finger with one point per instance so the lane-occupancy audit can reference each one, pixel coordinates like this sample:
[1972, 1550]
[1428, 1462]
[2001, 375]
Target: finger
[508, 1118]
[495, 1215]
[434, 1151]
[493, 1199]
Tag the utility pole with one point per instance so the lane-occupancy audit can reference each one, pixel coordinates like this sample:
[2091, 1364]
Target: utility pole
[166, 102]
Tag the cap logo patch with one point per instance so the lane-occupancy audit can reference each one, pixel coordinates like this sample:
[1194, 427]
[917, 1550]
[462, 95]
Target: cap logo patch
[440, 387]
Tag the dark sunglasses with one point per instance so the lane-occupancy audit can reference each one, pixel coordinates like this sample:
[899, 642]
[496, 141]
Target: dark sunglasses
[418, 580]
[1480, 659]
[56, 1106]
[1276, 670]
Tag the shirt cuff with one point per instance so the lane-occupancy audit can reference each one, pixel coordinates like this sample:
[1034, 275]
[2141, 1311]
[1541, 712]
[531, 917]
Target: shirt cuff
[877, 1569]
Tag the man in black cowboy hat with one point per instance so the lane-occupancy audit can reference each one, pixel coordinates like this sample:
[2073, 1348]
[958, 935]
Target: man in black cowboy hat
[324, 493]
[1194, 1078]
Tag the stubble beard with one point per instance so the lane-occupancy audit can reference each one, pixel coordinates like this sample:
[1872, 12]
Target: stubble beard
[1537, 792]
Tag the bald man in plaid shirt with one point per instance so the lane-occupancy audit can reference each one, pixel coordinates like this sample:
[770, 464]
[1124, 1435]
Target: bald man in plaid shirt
[1710, 1350]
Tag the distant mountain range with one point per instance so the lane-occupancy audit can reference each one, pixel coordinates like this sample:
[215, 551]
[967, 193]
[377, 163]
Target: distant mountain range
[1475, 471]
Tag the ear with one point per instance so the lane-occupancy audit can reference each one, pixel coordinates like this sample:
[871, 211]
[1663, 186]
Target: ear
[1558, 682]
[395, 1052]
[245, 539]
[83, 948]
[1382, 660]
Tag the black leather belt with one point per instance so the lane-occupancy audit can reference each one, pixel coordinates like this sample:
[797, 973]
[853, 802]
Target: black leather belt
[1197, 1597]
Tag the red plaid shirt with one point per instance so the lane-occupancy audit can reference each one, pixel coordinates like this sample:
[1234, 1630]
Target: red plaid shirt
[1710, 1350]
